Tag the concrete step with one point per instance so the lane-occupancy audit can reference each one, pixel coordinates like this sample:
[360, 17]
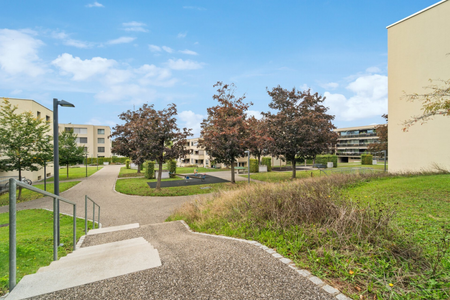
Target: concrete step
[78, 270]
[113, 228]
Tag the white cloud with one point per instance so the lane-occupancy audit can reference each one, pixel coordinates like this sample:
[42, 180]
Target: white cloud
[254, 113]
[180, 64]
[194, 7]
[305, 87]
[153, 75]
[330, 85]
[188, 52]
[369, 99]
[18, 53]
[373, 70]
[167, 49]
[134, 26]
[131, 92]
[122, 40]
[182, 35]
[95, 4]
[189, 119]
[61, 35]
[154, 48]
[82, 69]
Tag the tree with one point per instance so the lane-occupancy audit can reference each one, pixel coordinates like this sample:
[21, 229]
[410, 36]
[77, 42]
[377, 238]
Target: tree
[436, 102]
[225, 130]
[149, 134]
[301, 128]
[382, 133]
[24, 140]
[259, 140]
[69, 152]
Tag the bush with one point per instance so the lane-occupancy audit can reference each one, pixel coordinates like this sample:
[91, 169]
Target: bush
[121, 160]
[366, 159]
[149, 169]
[172, 166]
[267, 161]
[254, 167]
[127, 162]
[324, 159]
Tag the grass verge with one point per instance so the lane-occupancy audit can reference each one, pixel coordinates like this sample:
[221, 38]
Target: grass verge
[281, 176]
[139, 186]
[124, 172]
[28, 195]
[75, 173]
[34, 242]
[372, 236]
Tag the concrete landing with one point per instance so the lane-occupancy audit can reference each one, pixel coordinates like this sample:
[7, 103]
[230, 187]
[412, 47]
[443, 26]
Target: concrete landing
[113, 228]
[89, 264]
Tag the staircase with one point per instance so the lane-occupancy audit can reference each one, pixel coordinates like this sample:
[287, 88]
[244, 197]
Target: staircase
[90, 264]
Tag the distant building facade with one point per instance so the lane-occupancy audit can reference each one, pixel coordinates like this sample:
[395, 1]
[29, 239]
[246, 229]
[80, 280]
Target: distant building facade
[354, 141]
[418, 48]
[94, 138]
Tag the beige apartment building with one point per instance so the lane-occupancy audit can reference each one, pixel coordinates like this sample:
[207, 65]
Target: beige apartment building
[354, 141]
[39, 111]
[418, 50]
[95, 139]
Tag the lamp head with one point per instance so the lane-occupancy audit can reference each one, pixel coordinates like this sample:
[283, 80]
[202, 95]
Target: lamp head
[64, 103]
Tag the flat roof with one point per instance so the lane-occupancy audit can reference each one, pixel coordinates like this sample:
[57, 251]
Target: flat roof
[417, 13]
[70, 124]
[357, 127]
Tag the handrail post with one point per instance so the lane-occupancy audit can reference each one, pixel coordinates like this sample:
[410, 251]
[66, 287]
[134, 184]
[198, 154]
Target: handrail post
[98, 221]
[74, 227]
[55, 230]
[85, 213]
[12, 234]
[93, 216]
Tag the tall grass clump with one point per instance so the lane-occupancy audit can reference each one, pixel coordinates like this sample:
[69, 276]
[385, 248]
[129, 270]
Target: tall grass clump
[356, 246]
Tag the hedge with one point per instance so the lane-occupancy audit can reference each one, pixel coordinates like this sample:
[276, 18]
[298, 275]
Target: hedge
[267, 161]
[172, 166]
[149, 170]
[324, 159]
[366, 159]
[127, 162]
[254, 167]
[101, 160]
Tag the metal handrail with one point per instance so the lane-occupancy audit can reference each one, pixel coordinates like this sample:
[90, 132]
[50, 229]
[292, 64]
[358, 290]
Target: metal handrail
[13, 184]
[86, 198]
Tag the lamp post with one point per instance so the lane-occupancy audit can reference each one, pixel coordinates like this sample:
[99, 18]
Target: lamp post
[57, 103]
[86, 160]
[384, 152]
[248, 165]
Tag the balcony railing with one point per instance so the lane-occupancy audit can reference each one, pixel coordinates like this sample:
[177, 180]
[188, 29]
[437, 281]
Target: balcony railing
[357, 135]
[353, 145]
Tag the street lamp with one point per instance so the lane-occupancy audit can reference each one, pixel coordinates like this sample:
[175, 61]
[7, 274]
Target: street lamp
[384, 152]
[57, 103]
[86, 151]
[248, 165]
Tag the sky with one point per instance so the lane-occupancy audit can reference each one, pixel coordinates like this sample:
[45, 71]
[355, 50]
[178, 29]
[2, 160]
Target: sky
[108, 57]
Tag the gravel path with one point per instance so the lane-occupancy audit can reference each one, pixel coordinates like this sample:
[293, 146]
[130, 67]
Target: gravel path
[197, 267]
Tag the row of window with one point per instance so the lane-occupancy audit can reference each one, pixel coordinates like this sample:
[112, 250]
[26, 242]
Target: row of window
[47, 118]
[84, 140]
[82, 130]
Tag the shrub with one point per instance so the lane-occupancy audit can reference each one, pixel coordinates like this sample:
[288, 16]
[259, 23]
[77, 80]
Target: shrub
[127, 162]
[172, 166]
[366, 159]
[324, 159]
[267, 161]
[116, 159]
[254, 167]
[149, 169]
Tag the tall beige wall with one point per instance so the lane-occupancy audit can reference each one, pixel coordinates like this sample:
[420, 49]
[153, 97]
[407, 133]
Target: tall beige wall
[418, 50]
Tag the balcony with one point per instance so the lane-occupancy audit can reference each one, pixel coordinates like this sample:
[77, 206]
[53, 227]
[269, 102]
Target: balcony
[353, 145]
[357, 135]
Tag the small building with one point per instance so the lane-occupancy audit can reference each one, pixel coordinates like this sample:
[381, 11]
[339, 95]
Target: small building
[94, 138]
[354, 141]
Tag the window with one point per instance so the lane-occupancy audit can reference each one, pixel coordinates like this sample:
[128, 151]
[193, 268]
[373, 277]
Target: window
[76, 130]
[68, 129]
[39, 114]
[101, 140]
[101, 149]
[82, 140]
[47, 118]
[192, 143]
[100, 131]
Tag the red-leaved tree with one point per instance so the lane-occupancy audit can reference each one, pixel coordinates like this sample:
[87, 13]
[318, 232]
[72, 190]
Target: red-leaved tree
[259, 139]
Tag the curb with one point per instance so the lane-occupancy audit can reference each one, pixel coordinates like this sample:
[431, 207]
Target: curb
[305, 273]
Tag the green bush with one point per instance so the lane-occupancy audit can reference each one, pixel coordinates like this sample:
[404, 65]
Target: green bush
[172, 166]
[267, 161]
[149, 169]
[254, 167]
[127, 163]
[366, 159]
[324, 159]
[121, 160]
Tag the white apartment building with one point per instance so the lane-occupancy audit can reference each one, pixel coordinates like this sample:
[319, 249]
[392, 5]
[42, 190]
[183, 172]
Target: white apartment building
[95, 139]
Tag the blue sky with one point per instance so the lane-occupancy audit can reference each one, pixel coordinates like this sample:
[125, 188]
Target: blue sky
[108, 56]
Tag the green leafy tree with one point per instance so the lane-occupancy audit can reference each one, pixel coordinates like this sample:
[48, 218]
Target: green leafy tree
[69, 152]
[24, 140]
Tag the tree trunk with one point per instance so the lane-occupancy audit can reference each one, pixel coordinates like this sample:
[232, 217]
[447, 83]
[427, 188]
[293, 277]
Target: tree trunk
[294, 169]
[232, 173]
[158, 180]
[259, 159]
[139, 168]
[67, 176]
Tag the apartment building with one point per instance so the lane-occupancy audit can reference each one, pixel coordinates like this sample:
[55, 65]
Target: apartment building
[354, 141]
[39, 111]
[95, 139]
[418, 48]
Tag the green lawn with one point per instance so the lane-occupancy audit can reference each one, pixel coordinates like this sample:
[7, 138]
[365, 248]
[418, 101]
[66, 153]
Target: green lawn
[28, 195]
[281, 176]
[34, 242]
[75, 173]
[379, 166]
[139, 186]
[124, 172]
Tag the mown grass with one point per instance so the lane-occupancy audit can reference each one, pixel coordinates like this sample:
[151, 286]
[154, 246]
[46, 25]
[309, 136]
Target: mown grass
[378, 166]
[75, 173]
[139, 186]
[392, 244]
[28, 195]
[124, 172]
[282, 176]
[34, 242]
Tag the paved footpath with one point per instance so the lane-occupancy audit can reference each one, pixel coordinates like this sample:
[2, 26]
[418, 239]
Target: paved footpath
[194, 266]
